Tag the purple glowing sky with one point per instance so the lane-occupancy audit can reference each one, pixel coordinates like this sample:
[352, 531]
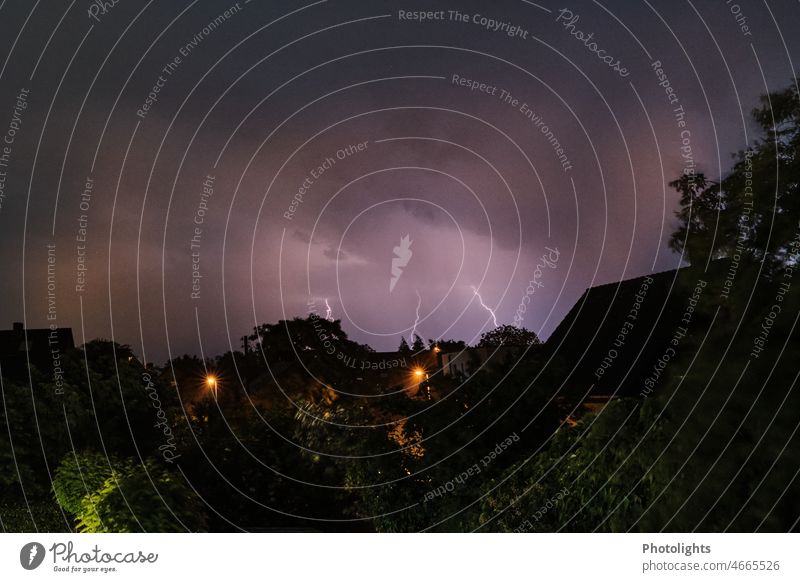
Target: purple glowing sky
[475, 184]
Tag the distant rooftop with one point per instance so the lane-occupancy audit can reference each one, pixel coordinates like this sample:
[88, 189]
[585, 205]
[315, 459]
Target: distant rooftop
[20, 346]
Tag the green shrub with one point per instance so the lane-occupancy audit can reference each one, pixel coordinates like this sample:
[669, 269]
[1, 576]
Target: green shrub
[141, 498]
[78, 476]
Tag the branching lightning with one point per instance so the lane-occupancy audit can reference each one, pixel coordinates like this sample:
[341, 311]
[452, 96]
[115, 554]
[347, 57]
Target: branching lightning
[329, 311]
[486, 307]
[416, 321]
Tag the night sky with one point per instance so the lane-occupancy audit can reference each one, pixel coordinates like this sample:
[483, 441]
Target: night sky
[160, 148]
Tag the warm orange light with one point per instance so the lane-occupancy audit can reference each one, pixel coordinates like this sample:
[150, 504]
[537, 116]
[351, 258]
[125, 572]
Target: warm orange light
[437, 349]
[419, 372]
[213, 385]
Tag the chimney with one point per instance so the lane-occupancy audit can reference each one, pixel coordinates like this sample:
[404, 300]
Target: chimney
[18, 326]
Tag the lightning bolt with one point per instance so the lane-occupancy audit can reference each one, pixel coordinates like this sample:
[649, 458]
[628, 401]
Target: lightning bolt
[329, 311]
[34, 551]
[486, 307]
[416, 321]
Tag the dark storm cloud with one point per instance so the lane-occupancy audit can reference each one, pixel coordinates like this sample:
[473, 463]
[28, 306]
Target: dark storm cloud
[477, 185]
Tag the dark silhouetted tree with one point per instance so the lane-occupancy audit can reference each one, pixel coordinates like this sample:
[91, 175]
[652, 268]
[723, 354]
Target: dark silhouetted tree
[403, 348]
[508, 335]
[753, 212]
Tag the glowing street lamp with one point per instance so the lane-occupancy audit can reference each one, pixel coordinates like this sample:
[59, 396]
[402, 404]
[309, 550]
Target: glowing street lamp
[212, 383]
[421, 377]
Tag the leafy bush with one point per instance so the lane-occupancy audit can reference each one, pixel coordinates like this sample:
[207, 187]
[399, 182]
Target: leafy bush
[141, 498]
[78, 476]
[591, 477]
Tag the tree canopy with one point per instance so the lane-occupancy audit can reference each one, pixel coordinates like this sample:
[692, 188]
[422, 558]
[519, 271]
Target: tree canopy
[508, 335]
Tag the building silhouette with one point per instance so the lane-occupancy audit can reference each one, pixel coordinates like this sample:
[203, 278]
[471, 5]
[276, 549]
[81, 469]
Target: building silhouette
[40, 348]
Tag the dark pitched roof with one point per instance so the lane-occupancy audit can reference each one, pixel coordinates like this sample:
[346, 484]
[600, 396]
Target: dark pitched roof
[591, 335]
[18, 346]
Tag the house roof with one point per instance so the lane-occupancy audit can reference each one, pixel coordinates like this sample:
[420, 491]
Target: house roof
[17, 342]
[615, 332]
